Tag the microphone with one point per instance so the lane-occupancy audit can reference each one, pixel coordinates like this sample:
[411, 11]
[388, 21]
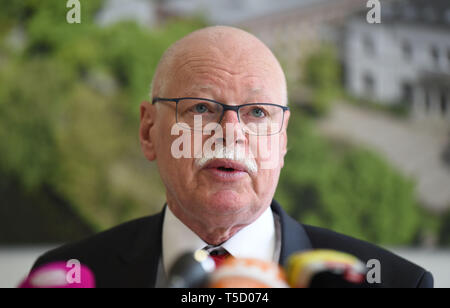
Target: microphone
[325, 269]
[191, 270]
[59, 275]
[248, 273]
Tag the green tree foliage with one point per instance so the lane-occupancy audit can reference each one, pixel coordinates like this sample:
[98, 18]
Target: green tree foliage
[69, 109]
[322, 75]
[347, 189]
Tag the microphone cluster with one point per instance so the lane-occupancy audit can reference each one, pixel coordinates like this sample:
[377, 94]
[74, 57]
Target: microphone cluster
[310, 269]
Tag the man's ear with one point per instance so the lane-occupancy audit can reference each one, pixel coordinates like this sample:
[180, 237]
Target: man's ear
[284, 137]
[146, 130]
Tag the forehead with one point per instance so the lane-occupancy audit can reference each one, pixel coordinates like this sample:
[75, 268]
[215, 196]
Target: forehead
[213, 71]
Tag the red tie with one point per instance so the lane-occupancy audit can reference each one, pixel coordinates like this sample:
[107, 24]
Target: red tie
[219, 255]
[218, 260]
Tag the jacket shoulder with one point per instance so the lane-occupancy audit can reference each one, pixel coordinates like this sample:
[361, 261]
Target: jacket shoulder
[396, 272]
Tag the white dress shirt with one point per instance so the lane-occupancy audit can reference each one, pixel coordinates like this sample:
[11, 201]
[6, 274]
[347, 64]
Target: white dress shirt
[260, 240]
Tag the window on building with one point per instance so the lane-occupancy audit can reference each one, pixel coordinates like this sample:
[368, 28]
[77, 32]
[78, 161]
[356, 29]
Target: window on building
[448, 57]
[369, 84]
[434, 52]
[407, 93]
[427, 100]
[444, 102]
[447, 16]
[407, 50]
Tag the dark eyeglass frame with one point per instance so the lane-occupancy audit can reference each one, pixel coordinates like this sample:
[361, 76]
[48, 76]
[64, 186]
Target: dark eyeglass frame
[224, 107]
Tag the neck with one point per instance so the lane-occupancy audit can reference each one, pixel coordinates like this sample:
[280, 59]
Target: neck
[211, 234]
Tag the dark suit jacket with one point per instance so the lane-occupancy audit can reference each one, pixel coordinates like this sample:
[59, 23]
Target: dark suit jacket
[128, 255]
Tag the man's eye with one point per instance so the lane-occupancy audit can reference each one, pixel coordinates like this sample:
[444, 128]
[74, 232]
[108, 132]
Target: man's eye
[200, 108]
[257, 113]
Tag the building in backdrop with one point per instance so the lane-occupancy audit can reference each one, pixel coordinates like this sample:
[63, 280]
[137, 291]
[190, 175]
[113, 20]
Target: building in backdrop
[405, 59]
[294, 33]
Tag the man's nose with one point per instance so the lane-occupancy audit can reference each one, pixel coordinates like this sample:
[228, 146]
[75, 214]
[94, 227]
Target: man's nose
[230, 121]
[230, 116]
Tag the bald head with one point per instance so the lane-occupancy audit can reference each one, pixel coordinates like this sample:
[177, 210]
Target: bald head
[223, 50]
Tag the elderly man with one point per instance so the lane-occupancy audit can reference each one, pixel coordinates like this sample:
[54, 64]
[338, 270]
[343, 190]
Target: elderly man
[216, 127]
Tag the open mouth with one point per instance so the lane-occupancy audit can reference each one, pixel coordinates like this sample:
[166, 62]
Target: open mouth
[226, 165]
[226, 169]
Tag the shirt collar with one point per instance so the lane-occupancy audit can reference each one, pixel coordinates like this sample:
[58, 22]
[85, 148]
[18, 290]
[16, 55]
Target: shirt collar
[257, 240]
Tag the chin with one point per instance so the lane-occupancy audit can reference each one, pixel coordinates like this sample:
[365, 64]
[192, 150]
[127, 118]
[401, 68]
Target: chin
[227, 202]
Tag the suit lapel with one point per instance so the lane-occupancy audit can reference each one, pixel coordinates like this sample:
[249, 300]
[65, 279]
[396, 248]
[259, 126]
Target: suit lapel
[142, 257]
[293, 235]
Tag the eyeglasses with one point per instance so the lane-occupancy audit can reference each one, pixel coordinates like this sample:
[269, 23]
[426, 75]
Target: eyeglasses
[262, 119]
